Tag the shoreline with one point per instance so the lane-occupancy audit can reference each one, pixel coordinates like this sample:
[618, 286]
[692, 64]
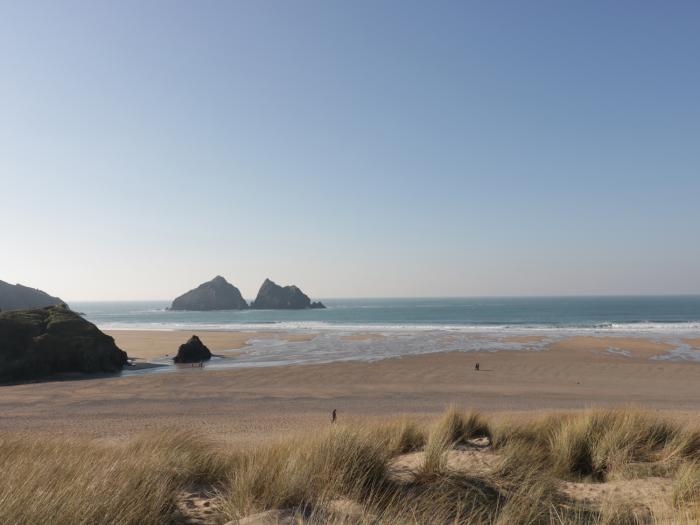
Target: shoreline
[689, 330]
[278, 347]
[249, 404]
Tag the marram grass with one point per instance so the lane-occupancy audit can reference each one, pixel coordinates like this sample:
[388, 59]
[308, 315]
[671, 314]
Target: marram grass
[62, 480]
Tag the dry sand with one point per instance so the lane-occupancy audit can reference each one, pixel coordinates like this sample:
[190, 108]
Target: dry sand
[247, 406]
[250, 404]
[642, 493]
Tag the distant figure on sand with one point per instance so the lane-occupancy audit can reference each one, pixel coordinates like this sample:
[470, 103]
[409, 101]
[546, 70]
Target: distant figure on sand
[476, 367]
[333, 416]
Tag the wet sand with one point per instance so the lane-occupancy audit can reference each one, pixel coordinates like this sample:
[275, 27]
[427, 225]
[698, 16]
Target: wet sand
[695, 343]
[154, 344]
[252, 404]
[363, 337]
[624, 346]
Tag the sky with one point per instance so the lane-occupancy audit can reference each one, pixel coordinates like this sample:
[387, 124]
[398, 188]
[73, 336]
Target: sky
[356, 149]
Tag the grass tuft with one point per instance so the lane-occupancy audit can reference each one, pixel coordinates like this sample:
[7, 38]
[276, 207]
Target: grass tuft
[344, 474]
[599, 444]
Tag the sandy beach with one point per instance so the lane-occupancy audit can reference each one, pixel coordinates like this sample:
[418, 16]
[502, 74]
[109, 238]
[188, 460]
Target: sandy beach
[151, 344]
[253, 403]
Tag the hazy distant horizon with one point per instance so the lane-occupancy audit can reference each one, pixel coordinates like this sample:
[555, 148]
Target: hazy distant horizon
[354, 149]
[667, 316]
[249, 299]
[249, 293]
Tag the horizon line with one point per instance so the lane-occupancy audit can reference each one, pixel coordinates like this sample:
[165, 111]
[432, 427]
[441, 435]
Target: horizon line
[375, 297]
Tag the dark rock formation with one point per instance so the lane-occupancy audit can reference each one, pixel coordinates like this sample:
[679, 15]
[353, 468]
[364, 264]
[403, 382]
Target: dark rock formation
[18, 297]
[217, 294]
[193, 351]
[38, 343]
[275, 297]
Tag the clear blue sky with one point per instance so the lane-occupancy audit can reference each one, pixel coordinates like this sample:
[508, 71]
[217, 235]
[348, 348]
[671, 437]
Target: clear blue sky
[353, 148]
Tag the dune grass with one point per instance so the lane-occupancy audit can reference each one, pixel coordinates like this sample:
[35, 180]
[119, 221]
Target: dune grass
[80, 481]
[454, 428]
[686, 485]
[400, 436]
[76, 481]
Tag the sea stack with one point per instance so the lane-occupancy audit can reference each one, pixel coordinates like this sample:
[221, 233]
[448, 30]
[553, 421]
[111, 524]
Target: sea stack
[18, 297]
[217, 294]
[45, 341]
[193, 351]
[275, 297]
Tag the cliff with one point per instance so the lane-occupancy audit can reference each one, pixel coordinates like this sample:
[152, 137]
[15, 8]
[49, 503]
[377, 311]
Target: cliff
[40, 342]
[18, 297]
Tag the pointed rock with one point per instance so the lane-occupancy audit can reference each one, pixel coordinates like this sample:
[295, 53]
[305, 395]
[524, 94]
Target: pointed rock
[193, 351]
[217, 294]
[275, 297]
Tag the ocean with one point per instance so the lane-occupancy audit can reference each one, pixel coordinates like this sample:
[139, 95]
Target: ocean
[672, 314]
[415, 326]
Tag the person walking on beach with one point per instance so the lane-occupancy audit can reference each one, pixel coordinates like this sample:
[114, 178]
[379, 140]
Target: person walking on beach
[333, 416]
[476, 367]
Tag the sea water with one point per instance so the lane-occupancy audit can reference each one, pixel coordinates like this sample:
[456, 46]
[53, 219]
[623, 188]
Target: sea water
[414, 326]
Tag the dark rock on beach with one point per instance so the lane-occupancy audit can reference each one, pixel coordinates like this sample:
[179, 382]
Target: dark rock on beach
[41, 342]
[19, 297]
[275, 297]
[217, 294]
[193, 351]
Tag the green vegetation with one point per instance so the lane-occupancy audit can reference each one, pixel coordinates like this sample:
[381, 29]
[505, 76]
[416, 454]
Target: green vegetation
[38, 343]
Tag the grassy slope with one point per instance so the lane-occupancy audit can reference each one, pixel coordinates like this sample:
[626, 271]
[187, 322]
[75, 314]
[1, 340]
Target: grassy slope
[68, 481]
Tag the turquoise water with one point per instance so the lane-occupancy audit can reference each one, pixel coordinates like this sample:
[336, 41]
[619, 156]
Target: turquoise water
[416, 326]
[634, 314]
